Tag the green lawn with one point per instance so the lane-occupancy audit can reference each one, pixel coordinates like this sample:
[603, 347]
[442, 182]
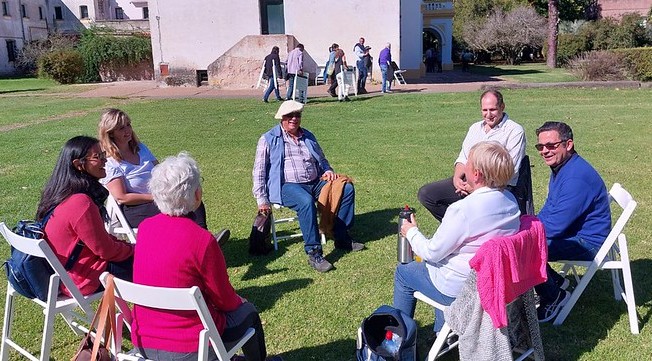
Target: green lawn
[525, 73]
[391, 145]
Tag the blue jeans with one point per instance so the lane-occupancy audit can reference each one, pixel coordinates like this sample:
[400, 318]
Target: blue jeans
[301, 197]
[411, 277]
[362, 73]
[290, 83]
[325, 76]
[383, 69]
[269, 91]
[575, 249]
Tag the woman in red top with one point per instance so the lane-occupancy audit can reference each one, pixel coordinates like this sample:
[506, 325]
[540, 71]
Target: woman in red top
[77, 198]
[173, 251]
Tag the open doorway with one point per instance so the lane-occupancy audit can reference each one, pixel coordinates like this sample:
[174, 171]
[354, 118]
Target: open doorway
[432, 51]
[272, 17]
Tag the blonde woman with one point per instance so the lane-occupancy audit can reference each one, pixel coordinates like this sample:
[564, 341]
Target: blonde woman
[129, 167]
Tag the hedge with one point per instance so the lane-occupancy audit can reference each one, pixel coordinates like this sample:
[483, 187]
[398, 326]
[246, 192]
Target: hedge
[638, 62]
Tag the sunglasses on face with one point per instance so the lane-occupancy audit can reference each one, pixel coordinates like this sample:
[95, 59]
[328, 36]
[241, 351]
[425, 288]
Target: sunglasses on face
[549, 146]
[294, 115]
[100, 156]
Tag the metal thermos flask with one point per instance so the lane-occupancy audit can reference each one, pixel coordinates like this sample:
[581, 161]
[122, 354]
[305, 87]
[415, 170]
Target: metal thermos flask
[404, 251]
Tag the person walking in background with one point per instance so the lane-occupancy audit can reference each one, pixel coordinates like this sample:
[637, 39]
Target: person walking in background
[339, 61]
[272, 62]
[294, 67]
[328, 70]
[385, 62]
[361, 52]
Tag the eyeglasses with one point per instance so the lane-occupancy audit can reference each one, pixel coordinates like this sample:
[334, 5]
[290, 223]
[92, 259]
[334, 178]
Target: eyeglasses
[549, 146]
[294, 115]
[100, 156]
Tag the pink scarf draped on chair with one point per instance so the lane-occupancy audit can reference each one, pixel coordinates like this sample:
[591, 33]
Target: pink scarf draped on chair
[509, 266]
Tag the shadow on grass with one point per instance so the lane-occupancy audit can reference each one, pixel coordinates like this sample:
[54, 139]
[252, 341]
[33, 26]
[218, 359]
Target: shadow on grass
[331, 351]
[595, 314]
[236, 253]
[375, 225]
[265, 297]
[20, 90]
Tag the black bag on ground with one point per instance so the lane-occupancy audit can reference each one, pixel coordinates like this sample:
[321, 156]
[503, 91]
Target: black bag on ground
[260, 237]
[372, 333]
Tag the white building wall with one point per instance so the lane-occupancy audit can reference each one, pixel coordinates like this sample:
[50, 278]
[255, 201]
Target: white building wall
[194, 33]
[411, 36]
[191, 35]
[318, 24]
[19, 29]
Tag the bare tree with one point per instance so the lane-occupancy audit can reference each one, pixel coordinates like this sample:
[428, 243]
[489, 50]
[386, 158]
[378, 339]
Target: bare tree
[507, 33]
[553, 33]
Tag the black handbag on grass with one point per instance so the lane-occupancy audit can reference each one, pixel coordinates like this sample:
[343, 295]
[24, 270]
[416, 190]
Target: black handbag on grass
[260, 237]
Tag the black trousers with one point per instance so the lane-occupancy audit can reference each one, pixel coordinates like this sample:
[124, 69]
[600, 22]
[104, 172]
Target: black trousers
[437, 196]
[137, 213]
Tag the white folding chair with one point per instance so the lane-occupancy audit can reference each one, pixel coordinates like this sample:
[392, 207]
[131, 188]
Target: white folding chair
[611, 256]
[398, 73]
[438, 348]
[73, 309]
[175, 299]
[117, 224]
[293, 218]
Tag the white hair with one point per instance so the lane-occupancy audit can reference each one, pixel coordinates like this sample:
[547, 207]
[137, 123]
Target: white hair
[174, 183]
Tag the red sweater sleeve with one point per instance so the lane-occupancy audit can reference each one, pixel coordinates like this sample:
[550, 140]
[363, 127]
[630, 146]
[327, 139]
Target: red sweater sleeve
[89, 227]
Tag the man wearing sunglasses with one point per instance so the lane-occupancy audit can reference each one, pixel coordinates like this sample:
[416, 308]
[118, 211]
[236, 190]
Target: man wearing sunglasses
[290, 169]
[575, 215]
[494, 126]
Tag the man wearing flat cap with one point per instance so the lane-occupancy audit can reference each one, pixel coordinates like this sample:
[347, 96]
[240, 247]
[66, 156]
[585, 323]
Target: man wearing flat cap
[290, 169]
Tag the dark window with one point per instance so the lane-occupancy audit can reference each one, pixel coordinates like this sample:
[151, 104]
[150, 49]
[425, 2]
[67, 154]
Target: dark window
[83, 12]
[40, 13]
[119, 14]
[11, 50]
[23, 10]
[5, 9]
[145, 12]
[58, 13]
[272, 17]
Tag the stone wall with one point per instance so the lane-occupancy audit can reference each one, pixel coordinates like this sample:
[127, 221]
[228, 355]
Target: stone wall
[141, 71]
[239, 67]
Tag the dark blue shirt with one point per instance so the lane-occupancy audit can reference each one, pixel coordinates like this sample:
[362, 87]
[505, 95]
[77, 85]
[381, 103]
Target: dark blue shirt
[577, 204]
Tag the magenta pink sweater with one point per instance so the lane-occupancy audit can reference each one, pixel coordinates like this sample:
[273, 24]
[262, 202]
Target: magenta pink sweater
[176, 252]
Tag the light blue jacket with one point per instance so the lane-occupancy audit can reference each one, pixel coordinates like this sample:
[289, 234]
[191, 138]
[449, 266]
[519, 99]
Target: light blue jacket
[274, 138]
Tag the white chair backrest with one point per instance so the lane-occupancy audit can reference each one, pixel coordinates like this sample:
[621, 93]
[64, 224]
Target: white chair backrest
[40, 248]
[628, 204]
[117, 223]
[178, 299]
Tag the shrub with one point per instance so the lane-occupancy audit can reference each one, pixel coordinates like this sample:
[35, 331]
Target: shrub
[569, 46]
[100, 46]
[29, 56]
[64, 66]
[638, 62]
[598, 65]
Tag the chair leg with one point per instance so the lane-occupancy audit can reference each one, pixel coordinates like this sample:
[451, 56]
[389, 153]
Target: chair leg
[274, 231]
[629, 287]
[8, 320]
[439, 342]
[577, 292]
[48, 329]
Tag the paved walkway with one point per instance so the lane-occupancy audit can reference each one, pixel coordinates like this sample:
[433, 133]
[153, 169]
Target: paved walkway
[453, 81]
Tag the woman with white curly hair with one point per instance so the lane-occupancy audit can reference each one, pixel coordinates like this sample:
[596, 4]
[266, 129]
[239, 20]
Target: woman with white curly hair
[173, 251]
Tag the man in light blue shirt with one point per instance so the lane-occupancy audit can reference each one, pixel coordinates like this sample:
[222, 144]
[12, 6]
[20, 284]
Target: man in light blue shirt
[294, 67]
